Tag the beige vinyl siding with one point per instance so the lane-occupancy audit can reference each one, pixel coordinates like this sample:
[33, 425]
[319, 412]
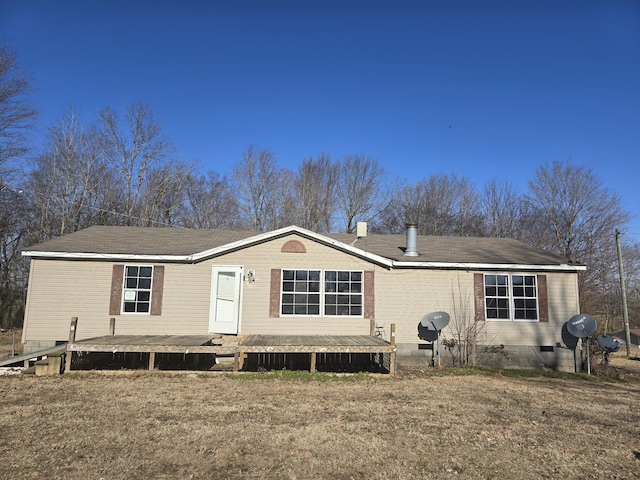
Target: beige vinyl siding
[59, 290]
[403, 297]
[185, 305]
[255, 305]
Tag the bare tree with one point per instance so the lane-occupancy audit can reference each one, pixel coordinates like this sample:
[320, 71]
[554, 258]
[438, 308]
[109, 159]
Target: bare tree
[209, 203]
[14, 235]
[581, 216]
[440, 205]
[315, 194]
[16, 110]
[66, 177]
[164, 194]
[361, 191]
[505, 213]
[260, 183]
[463, 331]
[133, 153]
[578, 209]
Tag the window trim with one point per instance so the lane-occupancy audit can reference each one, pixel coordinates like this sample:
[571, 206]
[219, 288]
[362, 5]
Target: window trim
[322, 293]
[511, 298]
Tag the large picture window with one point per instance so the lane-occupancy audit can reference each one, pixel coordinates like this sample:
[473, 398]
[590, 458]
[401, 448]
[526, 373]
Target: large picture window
[511, 297]
[136, 296]
[339, 290]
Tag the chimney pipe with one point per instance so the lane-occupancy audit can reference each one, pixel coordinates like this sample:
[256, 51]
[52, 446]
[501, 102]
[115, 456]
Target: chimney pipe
[412, 240]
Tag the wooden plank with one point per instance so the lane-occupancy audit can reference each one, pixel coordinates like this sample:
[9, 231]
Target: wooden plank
[72, 338]
[183, 340]
[25, 357]
[219, 349]
[315, 348]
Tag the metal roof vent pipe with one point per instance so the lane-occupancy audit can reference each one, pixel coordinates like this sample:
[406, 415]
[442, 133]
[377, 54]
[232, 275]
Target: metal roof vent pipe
[412, 240]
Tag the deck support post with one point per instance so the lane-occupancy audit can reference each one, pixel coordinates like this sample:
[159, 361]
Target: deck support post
[112, 326]
[152, 360]
[238, 360]
[72, 339]
[312, 369]
[392, 355]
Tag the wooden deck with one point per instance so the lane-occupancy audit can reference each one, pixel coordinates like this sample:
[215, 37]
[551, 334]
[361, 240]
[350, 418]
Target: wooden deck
[243, 346]
[239, 347]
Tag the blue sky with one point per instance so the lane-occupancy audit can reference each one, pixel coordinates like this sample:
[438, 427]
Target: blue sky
[481, 89]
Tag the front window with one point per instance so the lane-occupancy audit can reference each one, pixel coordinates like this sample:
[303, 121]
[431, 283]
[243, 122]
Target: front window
[511, 297]
[343, 293]
[301, 292]
[137, 289]
[340, 291]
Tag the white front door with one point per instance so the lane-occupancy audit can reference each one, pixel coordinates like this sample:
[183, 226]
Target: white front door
[224, 316]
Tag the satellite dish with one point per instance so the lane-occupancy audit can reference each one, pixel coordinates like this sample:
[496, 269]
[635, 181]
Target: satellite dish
[608, 344]
[427, 334]
[582, 325]
[435, 320]
[430, 326]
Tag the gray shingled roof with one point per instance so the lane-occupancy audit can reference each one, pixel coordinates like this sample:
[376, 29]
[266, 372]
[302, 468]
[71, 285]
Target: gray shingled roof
[106, 240]
[141, 241]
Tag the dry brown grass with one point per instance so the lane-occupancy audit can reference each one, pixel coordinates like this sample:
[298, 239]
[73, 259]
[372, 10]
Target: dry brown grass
[418, 425]
[6, 342]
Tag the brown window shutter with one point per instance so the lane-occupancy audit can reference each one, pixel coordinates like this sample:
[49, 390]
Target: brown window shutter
[274, 298]
[543, 302]
[369, 294]
[478, 293]
[115, 303]
[157, 288]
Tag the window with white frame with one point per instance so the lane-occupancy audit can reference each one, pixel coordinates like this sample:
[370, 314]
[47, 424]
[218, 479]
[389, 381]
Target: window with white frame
[342, 293]
[511, 297]
[137, 289]
[339, 290]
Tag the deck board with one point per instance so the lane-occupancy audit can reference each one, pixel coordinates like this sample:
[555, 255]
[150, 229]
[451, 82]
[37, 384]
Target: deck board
[181, 340]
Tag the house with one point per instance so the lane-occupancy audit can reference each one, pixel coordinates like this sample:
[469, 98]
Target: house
[512, 297]
[634, 336]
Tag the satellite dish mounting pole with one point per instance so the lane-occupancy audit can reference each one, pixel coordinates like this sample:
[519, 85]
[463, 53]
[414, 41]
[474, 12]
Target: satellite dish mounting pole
[438, 344]
[588, 358]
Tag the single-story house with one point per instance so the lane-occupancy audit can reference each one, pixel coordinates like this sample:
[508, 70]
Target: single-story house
[513, 297]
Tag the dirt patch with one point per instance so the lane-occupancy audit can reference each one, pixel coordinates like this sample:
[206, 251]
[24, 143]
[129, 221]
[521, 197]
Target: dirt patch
[417, 425]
